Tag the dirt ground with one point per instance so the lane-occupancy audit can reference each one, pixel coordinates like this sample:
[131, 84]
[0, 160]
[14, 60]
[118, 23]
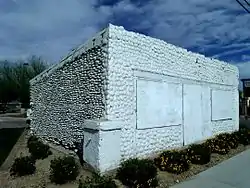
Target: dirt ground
[41, 178]
[38, 180]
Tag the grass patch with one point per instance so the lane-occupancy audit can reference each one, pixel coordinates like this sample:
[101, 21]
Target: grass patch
[8, 138]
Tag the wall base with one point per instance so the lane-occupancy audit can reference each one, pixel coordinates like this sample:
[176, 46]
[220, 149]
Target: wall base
[102, 144]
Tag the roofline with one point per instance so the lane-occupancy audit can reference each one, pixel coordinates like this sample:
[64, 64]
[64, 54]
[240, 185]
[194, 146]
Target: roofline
[90, 43]
[233, 68]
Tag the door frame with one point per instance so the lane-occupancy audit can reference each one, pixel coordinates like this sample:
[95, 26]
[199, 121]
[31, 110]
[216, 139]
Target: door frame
[183, 111]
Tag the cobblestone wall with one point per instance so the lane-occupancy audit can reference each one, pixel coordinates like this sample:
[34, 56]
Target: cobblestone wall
[69, 95]
[100, 85]
[130, 52]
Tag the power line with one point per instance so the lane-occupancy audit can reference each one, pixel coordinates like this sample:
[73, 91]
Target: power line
[247, 2]
[243, 5]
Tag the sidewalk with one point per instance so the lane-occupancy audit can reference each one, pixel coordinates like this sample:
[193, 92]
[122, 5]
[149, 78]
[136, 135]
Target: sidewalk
[233, 173]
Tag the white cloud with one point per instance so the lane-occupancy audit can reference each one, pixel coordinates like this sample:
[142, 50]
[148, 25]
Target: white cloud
[208, 25]
[47, 28]
[244, 69]
[247, 48]
[52, 28]
[246, 57]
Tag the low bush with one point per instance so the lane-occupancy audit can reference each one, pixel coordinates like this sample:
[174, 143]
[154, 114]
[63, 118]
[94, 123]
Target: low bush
[234, 140]
[31, 139]
[138, 173]
[173, 161]
[98, 182]
[218, 145]
[23, 166]
[199, 154]
[39, 150]
[231, 139]
[63, 170]
[244, 136]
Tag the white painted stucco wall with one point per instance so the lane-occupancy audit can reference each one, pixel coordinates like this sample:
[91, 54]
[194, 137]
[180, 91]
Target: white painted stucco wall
[132, 55]
[140, 69]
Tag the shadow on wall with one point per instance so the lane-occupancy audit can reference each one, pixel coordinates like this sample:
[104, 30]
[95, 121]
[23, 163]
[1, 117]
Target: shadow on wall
[79, 147]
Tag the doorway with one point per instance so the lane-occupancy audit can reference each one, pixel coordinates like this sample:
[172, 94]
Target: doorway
[192, 113]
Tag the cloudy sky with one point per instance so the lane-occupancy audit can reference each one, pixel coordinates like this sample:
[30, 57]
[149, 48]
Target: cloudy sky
[51, 28]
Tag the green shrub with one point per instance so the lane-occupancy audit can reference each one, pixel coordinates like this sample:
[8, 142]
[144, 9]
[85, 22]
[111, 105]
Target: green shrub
[218, 145]
[140, 173]
[234, 140]
[222, 143]
[97, 182]
[244, 136]
[173, 161]
[63, 170]
[23, 166]
[31, 139]
[39, 150]
[231, 139]
[199, 154]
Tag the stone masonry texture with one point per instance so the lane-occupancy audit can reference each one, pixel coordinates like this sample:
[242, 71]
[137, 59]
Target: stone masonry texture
[130, 51]
[71, 94]
[97, 82]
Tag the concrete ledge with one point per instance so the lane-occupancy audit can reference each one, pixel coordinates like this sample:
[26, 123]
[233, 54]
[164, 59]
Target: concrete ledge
[103, 125]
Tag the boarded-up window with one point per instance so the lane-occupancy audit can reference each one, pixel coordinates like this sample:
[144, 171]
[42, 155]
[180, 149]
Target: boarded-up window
[221, 104]
[159, 104]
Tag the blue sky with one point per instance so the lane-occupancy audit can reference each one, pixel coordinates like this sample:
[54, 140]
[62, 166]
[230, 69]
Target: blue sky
[51, 28]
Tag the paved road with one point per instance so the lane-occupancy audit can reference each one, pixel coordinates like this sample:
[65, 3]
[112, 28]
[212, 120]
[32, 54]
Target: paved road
[233, 173]
[10, 122]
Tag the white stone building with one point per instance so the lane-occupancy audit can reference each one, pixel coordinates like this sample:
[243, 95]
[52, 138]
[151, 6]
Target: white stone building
[130, 95]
